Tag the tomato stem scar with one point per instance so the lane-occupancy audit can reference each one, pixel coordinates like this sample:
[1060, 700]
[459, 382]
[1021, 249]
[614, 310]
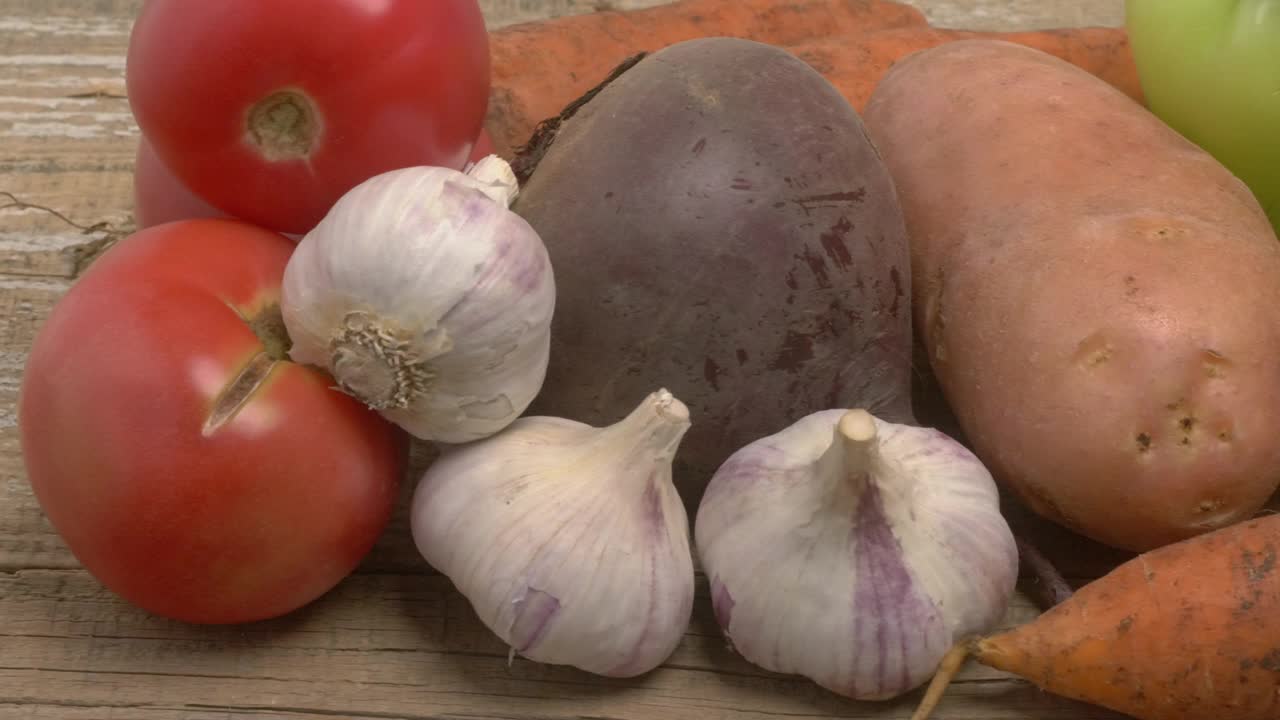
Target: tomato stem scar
[237, 393]
[283, 126]
[268, 325]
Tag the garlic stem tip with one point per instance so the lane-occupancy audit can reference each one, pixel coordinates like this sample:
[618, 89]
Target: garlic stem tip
[855, 443]
[497, 173]
[858, 426]
[669, 406]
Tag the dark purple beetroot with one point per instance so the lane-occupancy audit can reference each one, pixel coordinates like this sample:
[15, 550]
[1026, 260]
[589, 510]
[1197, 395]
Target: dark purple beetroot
[720, 225]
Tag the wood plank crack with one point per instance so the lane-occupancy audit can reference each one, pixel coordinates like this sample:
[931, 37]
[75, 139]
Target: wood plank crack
[81, 255]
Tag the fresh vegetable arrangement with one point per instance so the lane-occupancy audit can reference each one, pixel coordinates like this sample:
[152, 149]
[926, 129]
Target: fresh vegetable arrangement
[721, 199]
[272, 124]
[673, 325]
[539, 68]
[212, 416]
[187, 462]
[1184, 632]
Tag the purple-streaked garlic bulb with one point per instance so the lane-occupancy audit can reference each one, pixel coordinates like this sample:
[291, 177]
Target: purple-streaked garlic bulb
[854, 552]
[426, 298]
[569, 541]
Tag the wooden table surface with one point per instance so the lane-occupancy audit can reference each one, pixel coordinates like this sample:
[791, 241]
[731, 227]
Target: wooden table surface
[394, 641]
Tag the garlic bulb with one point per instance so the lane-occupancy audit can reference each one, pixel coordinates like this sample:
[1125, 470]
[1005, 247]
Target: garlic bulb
[570, 541]
[854, 552]
[427, 299]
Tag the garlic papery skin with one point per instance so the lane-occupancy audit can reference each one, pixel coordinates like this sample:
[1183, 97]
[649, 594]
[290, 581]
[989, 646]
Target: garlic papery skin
[570, 542]
[854, 552]
[425, 297]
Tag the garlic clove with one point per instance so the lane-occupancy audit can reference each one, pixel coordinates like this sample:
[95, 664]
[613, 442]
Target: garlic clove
[423, 295]
[570, 542]
[854, 552]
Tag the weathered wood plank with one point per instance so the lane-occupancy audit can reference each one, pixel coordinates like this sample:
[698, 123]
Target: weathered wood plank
[418, 611]
[404, 644]
[75, 710]
[490, 691]
[1020, 14]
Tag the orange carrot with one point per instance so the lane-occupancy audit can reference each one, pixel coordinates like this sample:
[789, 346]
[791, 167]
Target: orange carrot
[539, 67]
[855, 64]
[1190, 631]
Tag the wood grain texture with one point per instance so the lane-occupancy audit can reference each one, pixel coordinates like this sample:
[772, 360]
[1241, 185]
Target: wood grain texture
[400, 645]
[394, 641]
[1020, 14]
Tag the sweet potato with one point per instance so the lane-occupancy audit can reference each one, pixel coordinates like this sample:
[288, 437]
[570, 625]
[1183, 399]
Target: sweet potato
[1097, 296]
[1185, 632]
[720, 226]
[539, 67]
[855, 63]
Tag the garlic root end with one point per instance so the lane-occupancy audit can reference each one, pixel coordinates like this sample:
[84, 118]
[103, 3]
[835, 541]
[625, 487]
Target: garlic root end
[381, 367]
[947, 671]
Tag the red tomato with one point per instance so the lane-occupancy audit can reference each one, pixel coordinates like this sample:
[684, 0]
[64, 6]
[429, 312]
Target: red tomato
[272, 110]
[189, 467]
[159, 197]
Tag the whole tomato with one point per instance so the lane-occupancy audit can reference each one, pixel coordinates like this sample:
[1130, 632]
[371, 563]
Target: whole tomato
[187, 464]
[272, 110]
